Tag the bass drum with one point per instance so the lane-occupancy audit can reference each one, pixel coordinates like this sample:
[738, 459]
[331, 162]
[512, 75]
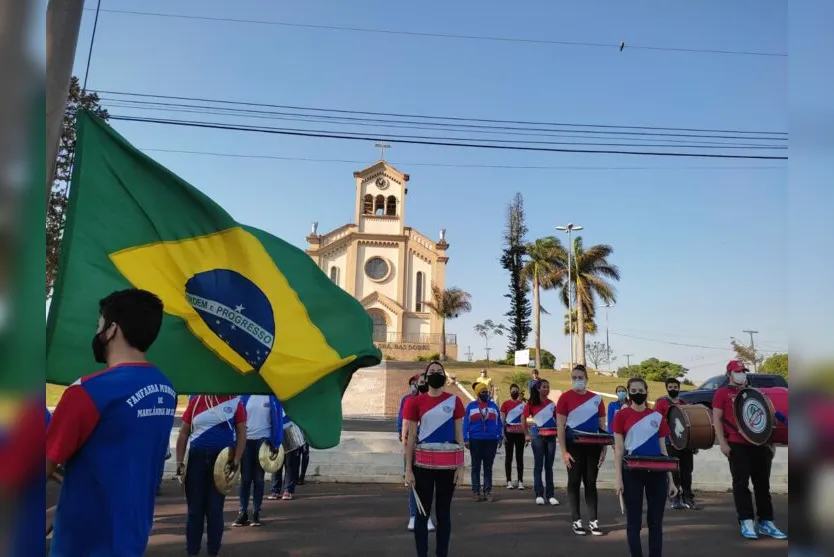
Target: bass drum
[756, 415]
[690, 426]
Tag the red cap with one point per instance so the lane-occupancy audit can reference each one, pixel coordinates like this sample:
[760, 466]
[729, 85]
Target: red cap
[736, 366]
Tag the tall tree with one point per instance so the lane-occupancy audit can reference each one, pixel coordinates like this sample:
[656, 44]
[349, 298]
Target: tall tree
[448, 304]
[543, 269]
[747, 354]
[777, 364]
[572, 327]
[653, 370]
[588, 275]
[597, 352]
[56, 210]
[512, 260]
[487, 330]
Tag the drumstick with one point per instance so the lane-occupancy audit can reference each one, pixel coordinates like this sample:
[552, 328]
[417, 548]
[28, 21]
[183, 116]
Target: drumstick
[417, 500]
[622, 504]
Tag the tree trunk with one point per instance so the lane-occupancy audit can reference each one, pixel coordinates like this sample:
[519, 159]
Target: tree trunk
[580, 328]
[443, 339]
[538, 315]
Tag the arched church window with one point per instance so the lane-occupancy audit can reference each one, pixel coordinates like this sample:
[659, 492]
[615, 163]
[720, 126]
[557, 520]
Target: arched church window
[380, 333]
[368, 207]
[391, 206]
[418, 306]
[334, 275]
[379, 206]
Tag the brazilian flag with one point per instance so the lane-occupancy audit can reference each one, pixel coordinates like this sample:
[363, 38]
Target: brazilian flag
[245, 312]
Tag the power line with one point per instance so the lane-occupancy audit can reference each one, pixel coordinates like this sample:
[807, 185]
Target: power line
[455, 165]
[460, 119]
[551, 42]
[682, 343]
[440, 141]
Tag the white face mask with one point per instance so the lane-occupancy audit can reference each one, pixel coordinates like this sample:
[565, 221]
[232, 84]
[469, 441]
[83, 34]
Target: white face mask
[579, 385]
[739, 378]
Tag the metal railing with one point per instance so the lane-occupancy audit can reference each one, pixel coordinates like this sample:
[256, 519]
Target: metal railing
[412, 338]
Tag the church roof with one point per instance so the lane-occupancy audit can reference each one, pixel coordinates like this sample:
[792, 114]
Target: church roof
[380, 166]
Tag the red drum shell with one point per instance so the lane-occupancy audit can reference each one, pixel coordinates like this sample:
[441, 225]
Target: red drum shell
[438, 458]
[779, 397]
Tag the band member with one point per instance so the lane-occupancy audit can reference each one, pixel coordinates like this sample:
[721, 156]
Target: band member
[127, 409]
[511, 411]
[417, 385]
[210, 423]
[686, 457]
[543, 413]
[440, 416]
[482, 432]
[748, 462]
[639, 431]
[580, 410]
[263, 423]
[616, 405]
[305, 462]
[292, 466]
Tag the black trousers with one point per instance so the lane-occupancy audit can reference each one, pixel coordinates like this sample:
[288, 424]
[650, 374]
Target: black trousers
[440, 486]
[655, 486]
[683, 478]
[751, 463]
[583, 470]
[515, 444]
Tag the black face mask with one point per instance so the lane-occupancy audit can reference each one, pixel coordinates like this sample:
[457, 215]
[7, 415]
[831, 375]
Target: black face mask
[484, 396]
[673, 392]
[99, 346]
[514, 395]
[436, 380]
[424, 388]
[637, 398]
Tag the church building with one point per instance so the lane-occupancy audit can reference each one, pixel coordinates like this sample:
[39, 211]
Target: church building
[388, 266]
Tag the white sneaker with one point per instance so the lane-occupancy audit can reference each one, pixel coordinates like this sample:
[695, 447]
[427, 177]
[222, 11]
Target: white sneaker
[510, 485]
[520, 486]
[431, 526]
[553, 501]
[411, 524]
[540, 500]
[593, 527]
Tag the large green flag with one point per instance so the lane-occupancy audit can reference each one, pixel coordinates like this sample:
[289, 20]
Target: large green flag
[245, 312]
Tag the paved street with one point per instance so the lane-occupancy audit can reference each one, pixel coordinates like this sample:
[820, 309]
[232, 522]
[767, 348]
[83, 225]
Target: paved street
[369, 520]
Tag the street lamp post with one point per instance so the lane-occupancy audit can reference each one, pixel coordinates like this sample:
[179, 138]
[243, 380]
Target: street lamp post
[569, 229]
[607, 343]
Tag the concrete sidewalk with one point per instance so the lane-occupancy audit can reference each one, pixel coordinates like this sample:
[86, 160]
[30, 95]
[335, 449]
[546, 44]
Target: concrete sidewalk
[369, 520]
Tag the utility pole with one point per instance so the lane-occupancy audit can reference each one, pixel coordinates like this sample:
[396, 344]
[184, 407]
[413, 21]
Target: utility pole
[607, 342]
[752, 345]
[569, 230]
[63, 20]
[628, 359]
[469, 353]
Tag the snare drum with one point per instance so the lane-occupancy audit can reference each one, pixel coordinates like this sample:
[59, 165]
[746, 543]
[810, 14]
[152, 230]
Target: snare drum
[651, 463]
[586, 438]
[547, 431]
[438, 456]
[514, 428]
[293, 438]
[690, 426]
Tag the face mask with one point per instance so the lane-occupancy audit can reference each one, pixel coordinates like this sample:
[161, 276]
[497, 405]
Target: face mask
[621, 396]
[424, 388]
[579, 384]
[99, 345]
[673, 393]
[740, 378]
[514, 395]
[637, 398]
[484, 396]
[436, 380]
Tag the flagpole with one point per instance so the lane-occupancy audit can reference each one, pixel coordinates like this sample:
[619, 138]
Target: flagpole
[63, 22]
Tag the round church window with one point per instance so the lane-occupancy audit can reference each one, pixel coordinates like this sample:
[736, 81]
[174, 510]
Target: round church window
[377, 268]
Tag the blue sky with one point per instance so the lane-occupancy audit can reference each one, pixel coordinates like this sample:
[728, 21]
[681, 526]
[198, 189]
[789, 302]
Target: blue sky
[701, 244]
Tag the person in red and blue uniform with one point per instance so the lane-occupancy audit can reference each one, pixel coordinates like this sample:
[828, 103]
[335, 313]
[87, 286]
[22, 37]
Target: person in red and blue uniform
[543, 413]
[581, 411]
[511, 411]
[686, 457]
[641, 431]
[748, 462]
[209, 424]
[616, 405]
[440, 416]
[111, 430]
[263, 423]
[416, 385]
[482, 432]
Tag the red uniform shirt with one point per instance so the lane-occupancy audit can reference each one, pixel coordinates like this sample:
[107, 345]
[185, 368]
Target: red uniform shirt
[510, 409]
[540, 413]
[723, 400]
[643, 432]
[663, 405]
[435, 415]
[582, 411]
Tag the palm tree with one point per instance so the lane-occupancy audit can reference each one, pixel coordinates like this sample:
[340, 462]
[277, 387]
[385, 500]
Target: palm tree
[544, 268]
[590, 269]
[448, 304]
[571, 323]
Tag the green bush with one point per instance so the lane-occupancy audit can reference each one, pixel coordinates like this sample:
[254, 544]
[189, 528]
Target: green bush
[429, 358]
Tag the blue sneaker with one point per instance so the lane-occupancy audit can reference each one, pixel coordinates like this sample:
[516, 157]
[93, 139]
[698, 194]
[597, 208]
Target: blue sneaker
[767, 528]
[748, 530]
